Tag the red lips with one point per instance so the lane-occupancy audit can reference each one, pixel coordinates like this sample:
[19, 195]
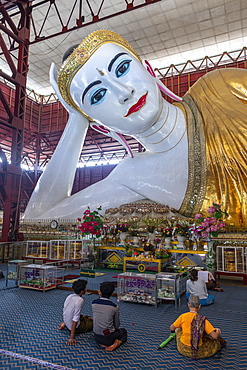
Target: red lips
[141, 102]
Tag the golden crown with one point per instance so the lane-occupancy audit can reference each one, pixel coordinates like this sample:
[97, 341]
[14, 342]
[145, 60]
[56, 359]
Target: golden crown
[81, 55]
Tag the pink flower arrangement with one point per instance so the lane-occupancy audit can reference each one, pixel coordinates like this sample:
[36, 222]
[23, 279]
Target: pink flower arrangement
[91, 223]
[209, 226]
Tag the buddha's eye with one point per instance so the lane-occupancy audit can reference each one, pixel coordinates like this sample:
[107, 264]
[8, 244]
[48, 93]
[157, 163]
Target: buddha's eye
[123, 68]
[97, 96]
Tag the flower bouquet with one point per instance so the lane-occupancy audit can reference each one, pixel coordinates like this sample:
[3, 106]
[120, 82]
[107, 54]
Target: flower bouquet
[182, 227]
[113, 231]
[134, 228]
[206, 227]
[167, 232]
[123, 228]
[91, 223]
[150, 228]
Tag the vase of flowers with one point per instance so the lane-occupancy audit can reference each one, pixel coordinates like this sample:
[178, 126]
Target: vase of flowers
[134, 227]
[167, 235]
[150, 229]
[122, 237]
[181, 239]
[112, 235]
[208, 227]
[151, 223]
[152, 238]
[135, 241]
[181, 230]
[122, 230]
[91, 223]
[211, 257]
[167, 242]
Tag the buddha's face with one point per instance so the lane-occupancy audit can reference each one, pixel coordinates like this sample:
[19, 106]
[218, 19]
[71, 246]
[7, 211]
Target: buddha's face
[114, 88]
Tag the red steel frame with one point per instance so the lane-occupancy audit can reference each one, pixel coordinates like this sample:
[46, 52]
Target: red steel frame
[76, 17]
[14, 118]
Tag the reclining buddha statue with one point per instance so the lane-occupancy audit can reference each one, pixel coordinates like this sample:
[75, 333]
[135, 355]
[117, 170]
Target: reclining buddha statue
[195, 149]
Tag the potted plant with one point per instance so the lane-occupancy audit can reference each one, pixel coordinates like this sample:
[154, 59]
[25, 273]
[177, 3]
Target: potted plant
[181, 228]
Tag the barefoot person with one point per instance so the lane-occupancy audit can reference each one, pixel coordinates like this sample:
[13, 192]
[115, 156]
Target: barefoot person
[210, 281]
[197, 286]
[196, 337]
[73, 319]
[106, 319]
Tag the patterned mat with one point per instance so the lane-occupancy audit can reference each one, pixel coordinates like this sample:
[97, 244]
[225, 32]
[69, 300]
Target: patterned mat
[29, 321]
[97, 274]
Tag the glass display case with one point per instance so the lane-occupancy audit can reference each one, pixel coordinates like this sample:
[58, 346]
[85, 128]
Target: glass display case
[69, 249]
[230, 259]
[37, 248]
[138, 288]
[38, 277]
[171, 285]
[13, 270]
[78, 249]
[59, 249]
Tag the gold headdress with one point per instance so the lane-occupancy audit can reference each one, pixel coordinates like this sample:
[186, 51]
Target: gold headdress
[81, 55]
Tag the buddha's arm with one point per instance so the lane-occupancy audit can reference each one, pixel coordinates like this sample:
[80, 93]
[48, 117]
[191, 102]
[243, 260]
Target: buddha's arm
[56, 182]
[105, 193]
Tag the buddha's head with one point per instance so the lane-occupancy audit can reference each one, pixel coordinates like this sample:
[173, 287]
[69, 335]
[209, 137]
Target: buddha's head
[104, 79]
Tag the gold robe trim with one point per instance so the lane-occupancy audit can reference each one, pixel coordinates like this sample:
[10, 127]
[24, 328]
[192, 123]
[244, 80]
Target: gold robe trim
[216, 113]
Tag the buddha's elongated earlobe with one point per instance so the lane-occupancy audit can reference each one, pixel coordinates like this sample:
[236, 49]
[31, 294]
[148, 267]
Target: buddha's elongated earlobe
[162, 87]
[148, 67]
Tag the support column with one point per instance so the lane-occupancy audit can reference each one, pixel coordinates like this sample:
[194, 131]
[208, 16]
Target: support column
[11, 186]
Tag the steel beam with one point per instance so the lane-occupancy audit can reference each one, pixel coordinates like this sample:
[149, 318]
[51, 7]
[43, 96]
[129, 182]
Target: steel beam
[12, 174]
[76, 16]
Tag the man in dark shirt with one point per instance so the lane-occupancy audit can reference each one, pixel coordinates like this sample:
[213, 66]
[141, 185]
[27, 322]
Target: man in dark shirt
[106, 319]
